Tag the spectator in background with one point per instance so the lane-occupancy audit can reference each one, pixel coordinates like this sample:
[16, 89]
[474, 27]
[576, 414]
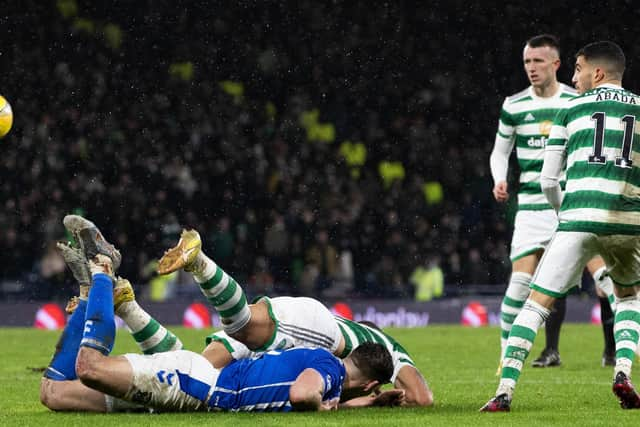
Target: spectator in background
[222, 244]
[322, 264]
[51, 273]
[388, 282]
[428, 279]
[343, 282]
[210, 127]
[276, 248]
[260, 282]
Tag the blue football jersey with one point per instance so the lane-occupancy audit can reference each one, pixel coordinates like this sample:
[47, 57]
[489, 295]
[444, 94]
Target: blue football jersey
[262, 384]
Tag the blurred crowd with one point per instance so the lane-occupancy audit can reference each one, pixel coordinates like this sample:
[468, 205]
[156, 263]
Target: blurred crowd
[321, 148]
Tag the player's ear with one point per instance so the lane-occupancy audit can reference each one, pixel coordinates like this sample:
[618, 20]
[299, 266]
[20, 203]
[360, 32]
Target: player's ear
[597, 75]
[556, 64]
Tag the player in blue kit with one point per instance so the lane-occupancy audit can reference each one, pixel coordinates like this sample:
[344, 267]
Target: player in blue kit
[83, 377]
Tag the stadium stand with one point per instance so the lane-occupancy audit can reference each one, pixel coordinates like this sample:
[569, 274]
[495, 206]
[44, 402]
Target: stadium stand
[327, 149]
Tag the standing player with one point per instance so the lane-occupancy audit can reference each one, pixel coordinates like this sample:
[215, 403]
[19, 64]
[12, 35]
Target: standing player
[525, 121]
[600, 213]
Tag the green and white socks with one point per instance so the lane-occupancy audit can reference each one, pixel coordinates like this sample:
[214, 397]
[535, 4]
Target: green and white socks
[150, 335]
[523, 333]
[604, 283]
[224, 293]
[626, 330]
[514, 298]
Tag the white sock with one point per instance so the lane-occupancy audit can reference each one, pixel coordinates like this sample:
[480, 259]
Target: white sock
[605, 284]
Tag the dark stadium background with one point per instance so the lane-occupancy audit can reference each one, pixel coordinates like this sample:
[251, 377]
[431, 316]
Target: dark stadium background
[131, 113]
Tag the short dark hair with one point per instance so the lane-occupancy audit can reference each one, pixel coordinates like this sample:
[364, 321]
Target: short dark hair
[544, 40]
[607, 52]
[374, 361]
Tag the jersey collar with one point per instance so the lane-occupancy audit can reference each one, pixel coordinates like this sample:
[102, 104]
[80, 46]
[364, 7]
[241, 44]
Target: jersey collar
[556, 95]
[608, 86]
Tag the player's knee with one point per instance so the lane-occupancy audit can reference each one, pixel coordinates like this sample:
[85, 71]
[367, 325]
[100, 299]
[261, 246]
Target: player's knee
[88, 366]
[45, 398]
[49, 395]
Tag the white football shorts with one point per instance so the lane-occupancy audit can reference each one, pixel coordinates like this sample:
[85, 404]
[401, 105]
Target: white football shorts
[569, 251]
[301, 322]
[160, 380]
[532, 231]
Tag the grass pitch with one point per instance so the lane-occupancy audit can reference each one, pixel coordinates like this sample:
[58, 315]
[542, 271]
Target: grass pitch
[459, 364]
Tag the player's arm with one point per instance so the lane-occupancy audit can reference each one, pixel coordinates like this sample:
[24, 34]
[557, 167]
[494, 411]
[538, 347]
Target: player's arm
[554, 161]
[416, 390]
[499, 159]
[549, 177]
[394, 397]
[307, 390]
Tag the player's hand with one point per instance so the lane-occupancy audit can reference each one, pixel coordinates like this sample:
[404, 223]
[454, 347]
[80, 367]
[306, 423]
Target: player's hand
[330, 405]
[393, 397]
[500, 192]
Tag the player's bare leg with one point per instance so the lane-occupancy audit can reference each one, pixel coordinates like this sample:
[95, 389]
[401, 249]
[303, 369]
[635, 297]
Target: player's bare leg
[110, 375]
[71, 396]
[59, 389]
[249, 324]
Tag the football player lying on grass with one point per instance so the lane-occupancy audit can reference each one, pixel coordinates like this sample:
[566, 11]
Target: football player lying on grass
[83, 377]
[249, 329]
[281, 322]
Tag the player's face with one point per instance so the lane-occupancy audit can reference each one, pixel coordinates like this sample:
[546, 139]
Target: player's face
[541, 64]
[582, 75]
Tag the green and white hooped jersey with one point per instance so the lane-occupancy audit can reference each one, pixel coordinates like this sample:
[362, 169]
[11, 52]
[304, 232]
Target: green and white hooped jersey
[306, 322]
[525, 120]
[355, 333]
[599, 133]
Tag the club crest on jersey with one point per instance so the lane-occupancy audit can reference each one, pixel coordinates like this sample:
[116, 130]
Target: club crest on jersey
[545, 127]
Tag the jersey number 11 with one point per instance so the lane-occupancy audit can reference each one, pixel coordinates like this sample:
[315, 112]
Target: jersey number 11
[624, 160]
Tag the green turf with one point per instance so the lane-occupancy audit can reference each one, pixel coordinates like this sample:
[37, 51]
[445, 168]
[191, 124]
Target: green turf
[459, 364]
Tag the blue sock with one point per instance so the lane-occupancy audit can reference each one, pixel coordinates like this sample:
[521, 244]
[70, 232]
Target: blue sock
[63, 364]
[99, 325]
